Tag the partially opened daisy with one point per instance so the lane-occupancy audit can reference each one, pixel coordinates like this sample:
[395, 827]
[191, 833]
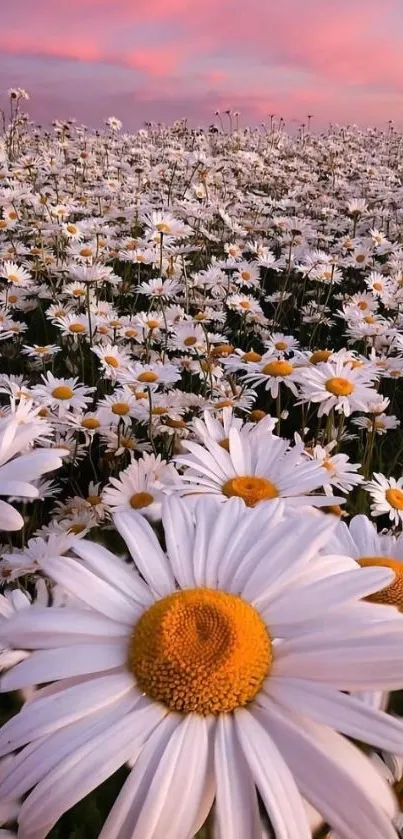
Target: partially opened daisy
[342, 474]
[217, 674]
[254, 465]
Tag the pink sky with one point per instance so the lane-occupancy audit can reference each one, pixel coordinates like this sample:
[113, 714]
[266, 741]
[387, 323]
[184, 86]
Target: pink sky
[341, 60]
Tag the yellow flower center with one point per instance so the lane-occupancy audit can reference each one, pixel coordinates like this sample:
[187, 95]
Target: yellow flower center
[141, 499]
[163, 227]
[13, 278]
[245, 304]
[152, 324]
[362, 305]
[190, 341]
[147, 376]
[224, 443]
[90, 423]
[339, 386]
[12, 298]
[251, 489]
[378, 286]
[257, 415]
[320, 355]
[120, 409]
[369, 319]
[277, 368]
[395, 498]
[251, 356]
[392, 595]
[94, 500]
[76, 328]
[360, 257]
[281, 345]
[127, 443]
[200, 651]
[245, 275]
[222, 349]
[175, 423]
[332, 509]
[71, 228]
[86, 252]
[62, 392]
[111, 360]
[76, 528]
[224, 403]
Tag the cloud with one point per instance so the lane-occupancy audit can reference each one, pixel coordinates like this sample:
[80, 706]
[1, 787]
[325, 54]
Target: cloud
[331, 55]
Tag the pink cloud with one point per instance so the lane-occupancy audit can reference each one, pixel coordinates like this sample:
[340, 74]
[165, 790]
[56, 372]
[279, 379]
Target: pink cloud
[327, 54]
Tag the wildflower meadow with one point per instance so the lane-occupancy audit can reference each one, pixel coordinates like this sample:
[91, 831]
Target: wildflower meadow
[201, 481]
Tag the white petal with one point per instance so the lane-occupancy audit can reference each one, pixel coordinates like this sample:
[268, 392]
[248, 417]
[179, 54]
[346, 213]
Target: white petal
[87, 767]
[345, 713]
[179, 530]
[128, 805]
[363, 659]
[17, 489]
[10, 519]
[334, 776]
[297, 605]
[45, 715]
[176, 794]
[35, 761]
[90, 589]
[48, 665]
[207, 511]
[237, 810]
[113, 570]
[46, 628]
[247, 542]
[30, 466]
[146, 551]
[290, 546]
[272, 778]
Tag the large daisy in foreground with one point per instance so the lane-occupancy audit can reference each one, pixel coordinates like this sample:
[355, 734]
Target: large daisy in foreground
[255, 466]
[216, 676]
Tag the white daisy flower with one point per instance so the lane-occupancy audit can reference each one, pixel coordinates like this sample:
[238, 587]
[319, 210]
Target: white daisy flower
[62, 394]
[272, 371]
[113, 359]
[255, 467]
[336, 385]
[219, 674]
[342, 474]
[141, 487]
[15, 275]
[387, 496]
[150, 375]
